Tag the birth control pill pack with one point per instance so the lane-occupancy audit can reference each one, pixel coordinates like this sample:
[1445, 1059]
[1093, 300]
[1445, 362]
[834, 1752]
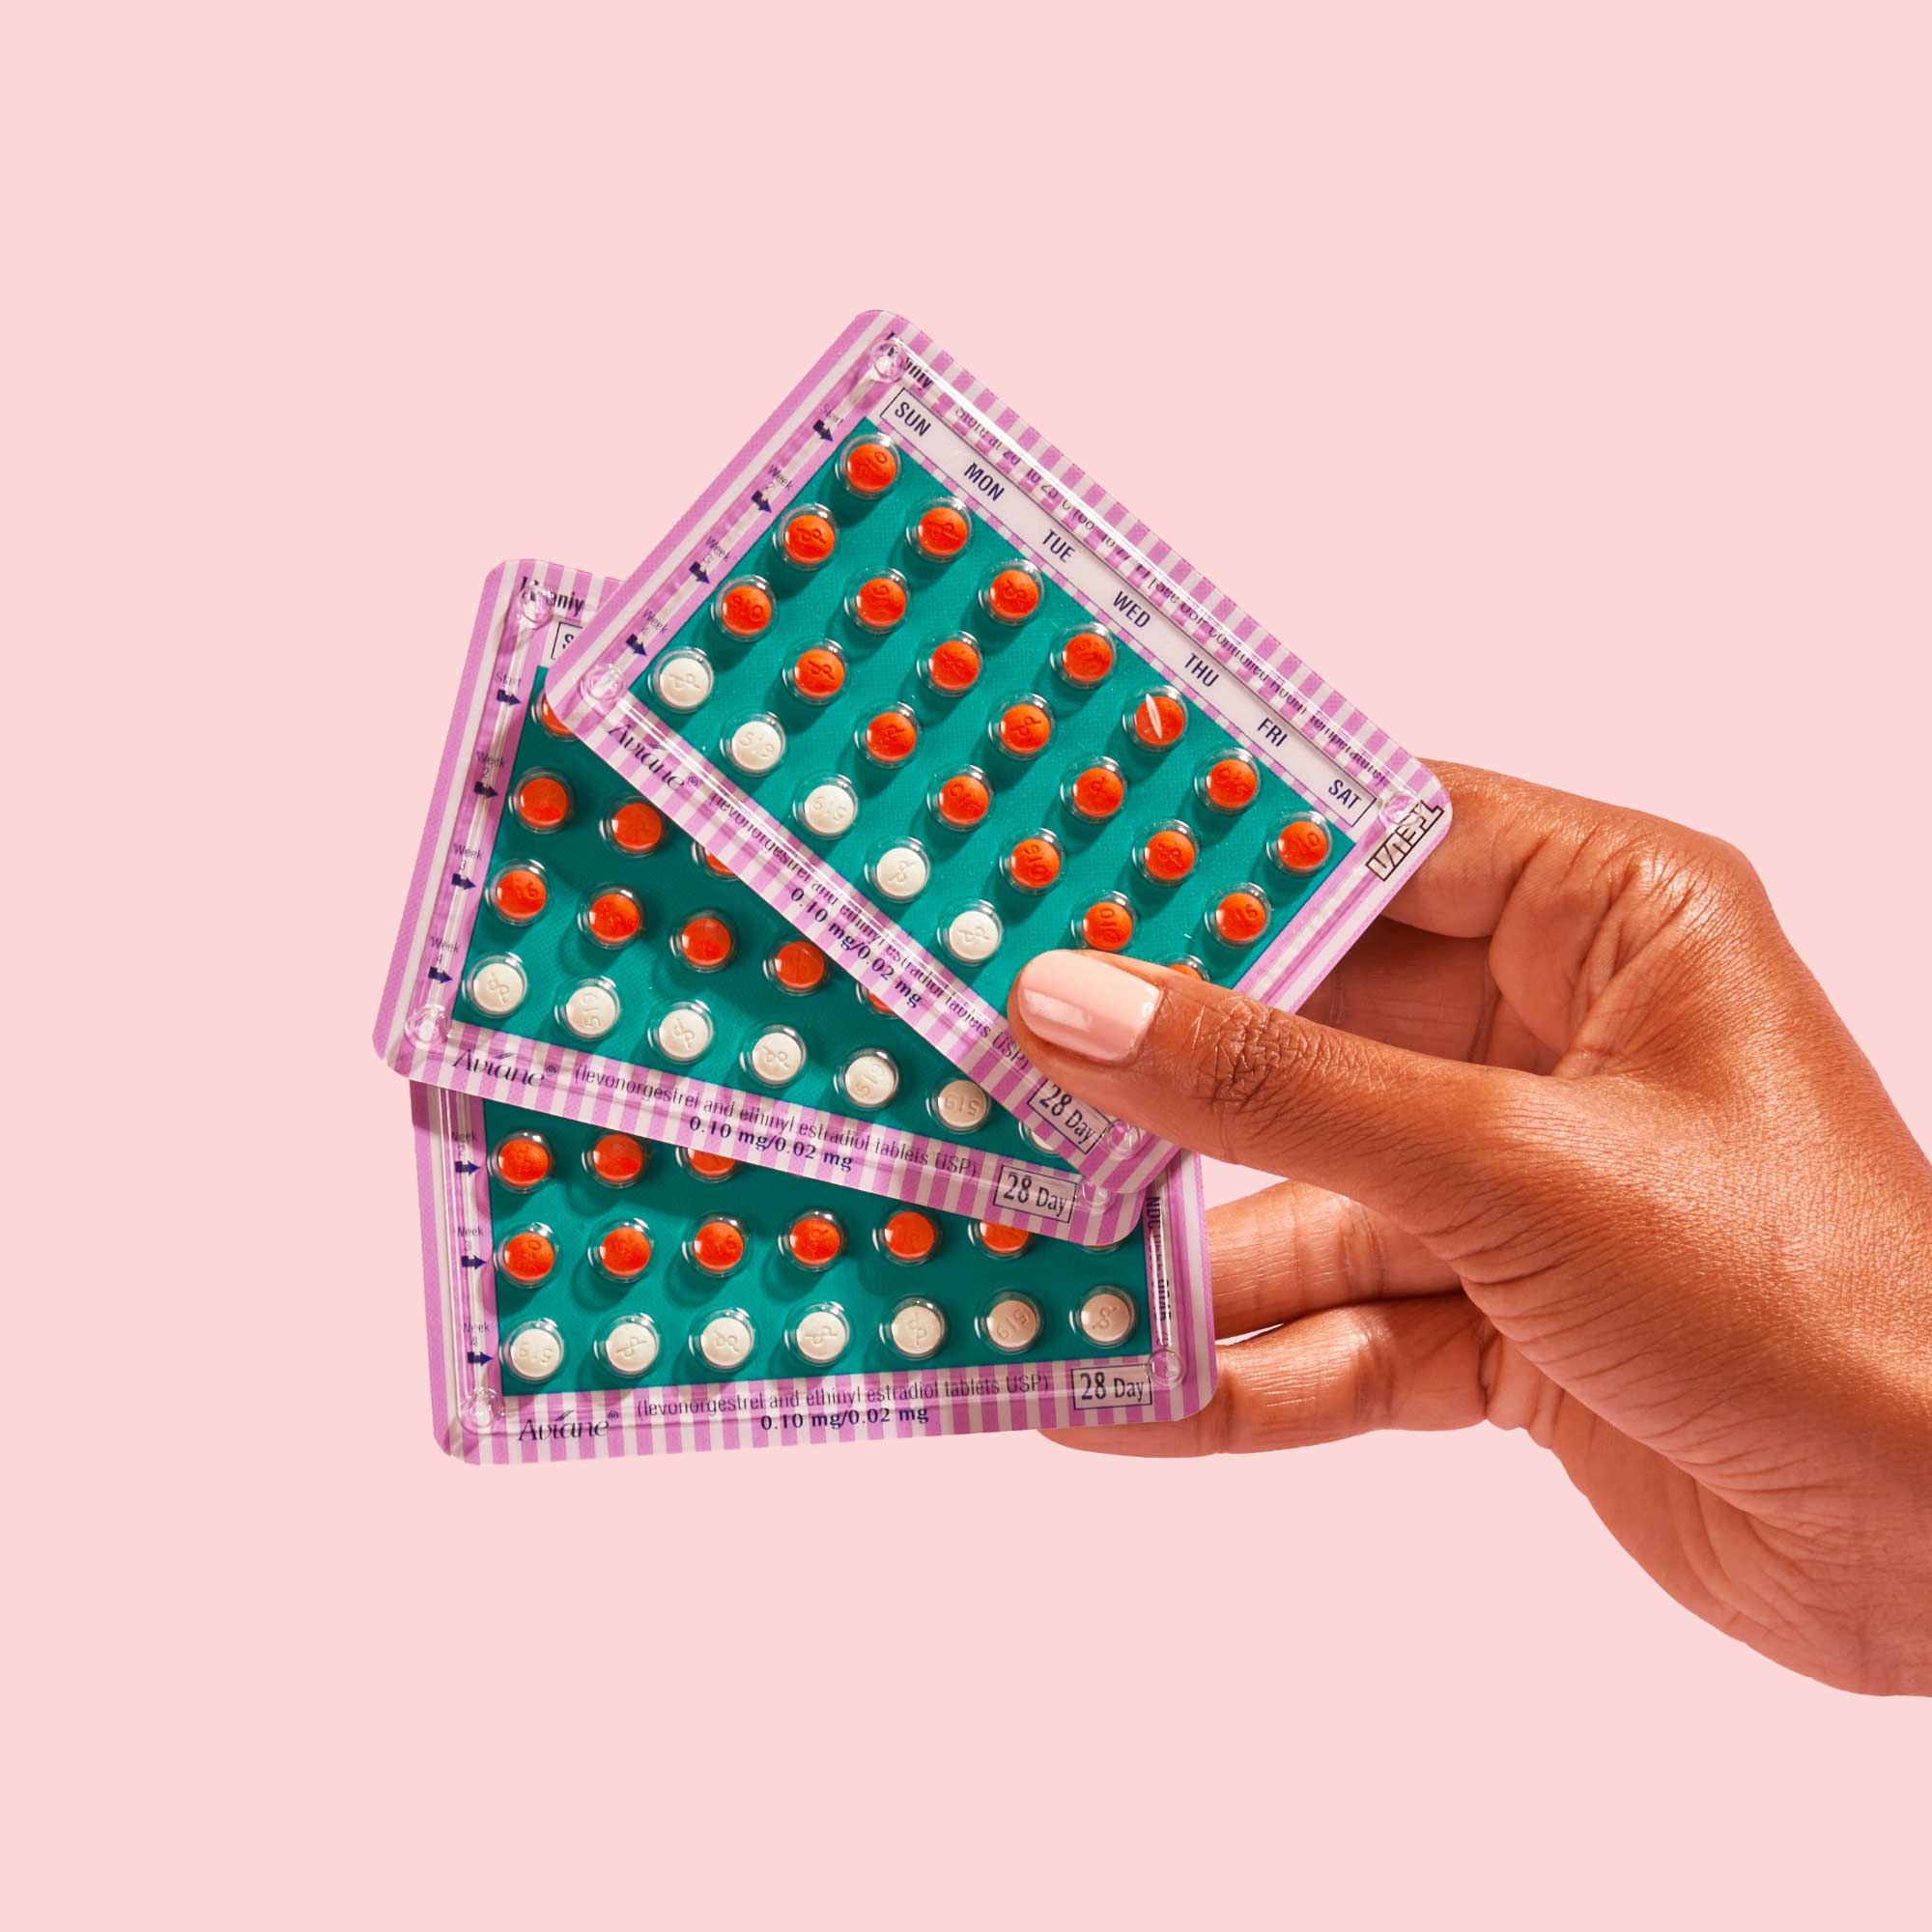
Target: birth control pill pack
[568, 946]
[946, 704]
[591, 1291]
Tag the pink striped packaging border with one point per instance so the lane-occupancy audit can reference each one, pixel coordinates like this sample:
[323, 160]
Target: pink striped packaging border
[527, 612]
[1255, 686]
[475, 1421]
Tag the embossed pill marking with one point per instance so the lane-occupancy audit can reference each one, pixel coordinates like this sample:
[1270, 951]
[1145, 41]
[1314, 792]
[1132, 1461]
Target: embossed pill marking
[726, 1340]
[635, 827]
[829, 809]
[683, 1033]
[631, 1346]
[1012, 1324]
[533, 1352]
[682, 680]
[821, 1336]
[497, 986]
[1106, 1317]
[917, 1329]
[963, 1105]
[590, 1010]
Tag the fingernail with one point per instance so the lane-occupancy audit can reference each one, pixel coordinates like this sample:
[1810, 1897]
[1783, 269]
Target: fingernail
[1076, 1000]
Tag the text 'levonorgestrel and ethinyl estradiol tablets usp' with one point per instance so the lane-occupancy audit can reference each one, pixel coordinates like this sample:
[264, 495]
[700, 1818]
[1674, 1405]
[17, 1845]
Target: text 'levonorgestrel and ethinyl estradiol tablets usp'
[592, 1292]
[945, 704]
[568, 946]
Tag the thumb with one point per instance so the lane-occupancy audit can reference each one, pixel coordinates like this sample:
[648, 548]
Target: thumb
[1433, 1143]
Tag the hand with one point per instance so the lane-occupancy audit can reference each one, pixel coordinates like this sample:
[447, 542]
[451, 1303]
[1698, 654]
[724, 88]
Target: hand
[1579, 1148]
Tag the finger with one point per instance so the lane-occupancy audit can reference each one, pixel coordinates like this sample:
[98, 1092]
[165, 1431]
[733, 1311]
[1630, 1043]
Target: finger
[1345, 1372]
[1293, 1249]
[1238, 1080]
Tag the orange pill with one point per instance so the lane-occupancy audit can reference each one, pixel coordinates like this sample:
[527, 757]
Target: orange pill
[809, 539]
[616, 1159]
[717, 1247]
[518, 893]
[1014, 595]
[706, 939]
[710, 1166]
[637, 828]
[953, 665]
[714, 865]
[1188, 969]
[963, 800]
[1240, 919]
[1232, 784]
[613, 918]
[909, 1236]
[624, 1252]
[799, 966]
[1086, 658]
[745, 609]
[548, 718]
[1168, 855]
[522, 1160]
[815, 1239]
[1158, 719]
[998, 1239]
[879, 603]
[943, 530]
[892, 737]
[543, 803]
[818, 672]
[1034, 862]
[872, 468]
[1099, 793]
[528, 1256]
[1025, 729]
[1301, 845]
[1107, 925]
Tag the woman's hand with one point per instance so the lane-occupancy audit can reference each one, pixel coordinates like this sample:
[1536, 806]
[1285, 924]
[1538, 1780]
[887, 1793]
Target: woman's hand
[1578, 1147]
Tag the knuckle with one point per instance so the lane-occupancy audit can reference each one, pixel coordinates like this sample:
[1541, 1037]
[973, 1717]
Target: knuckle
[1250, 1067]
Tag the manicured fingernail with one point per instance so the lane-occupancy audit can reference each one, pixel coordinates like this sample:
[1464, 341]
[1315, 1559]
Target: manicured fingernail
[1079, 1002]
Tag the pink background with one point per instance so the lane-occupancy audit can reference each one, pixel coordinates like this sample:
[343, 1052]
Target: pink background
[1559, 385]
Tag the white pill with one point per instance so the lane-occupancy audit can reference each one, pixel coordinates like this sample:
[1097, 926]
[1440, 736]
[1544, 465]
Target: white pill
[821, 1335]
[757, 746]
[918, 1330]
[725, 1341]
[499, 988]
[962, 1105]
[973, 935]
[683, 681]
[870, 1079]
[684, 1033]
[631, 1348]
[591, 1010]
[829, 809]
[536, 1353]
[1106, 1317]
[1013, 1323]
[778, 1057]
[900, 872]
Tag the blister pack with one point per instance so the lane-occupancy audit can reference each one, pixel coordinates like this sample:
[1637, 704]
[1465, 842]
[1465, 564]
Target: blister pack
[591, 1293]
[945, 704]
[567, 947]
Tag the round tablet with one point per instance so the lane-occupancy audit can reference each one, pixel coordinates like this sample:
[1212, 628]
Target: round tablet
[807, 538]
[755, 746]
[900, 872]
[818, 675]
[542, 801]
[534, 1352]
[821, 1335]
[521, 1161]
[814, 1240]
[1240, 919]
[497, 986]
[941, 532]
[725, 1341]
[974, 934]
[870, 466]
[1106, 1317]
[717, 1247]
[777, 1056]
[879, 603]
[546, 715]
[682, 680]
[1157, 719]
[1188, 968]
[1168, 855]
[1097, 792]
[1013, 1323]
[708, 1166]
[828, 809]
[613, 918]
[909, 1237]
[962, 1105]
[798, 966]
[635, 827]
[1107, 925]
[953, 665]
[1024, 729]
[1011, 595]
[518, 893]
[1085, 659]
[590, 1010]
[870, 1079]
[997, 1238]
[917, 1329]
[890, 737]
[631, 1346]
[528, 1256]
[1230, 784]
[1033, 863]
[962, 800]
[744, 608]
[1301, 845]
[683, 1033]
[706, 941]
[624, 1252]
[616, 1159]
[711, 862]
